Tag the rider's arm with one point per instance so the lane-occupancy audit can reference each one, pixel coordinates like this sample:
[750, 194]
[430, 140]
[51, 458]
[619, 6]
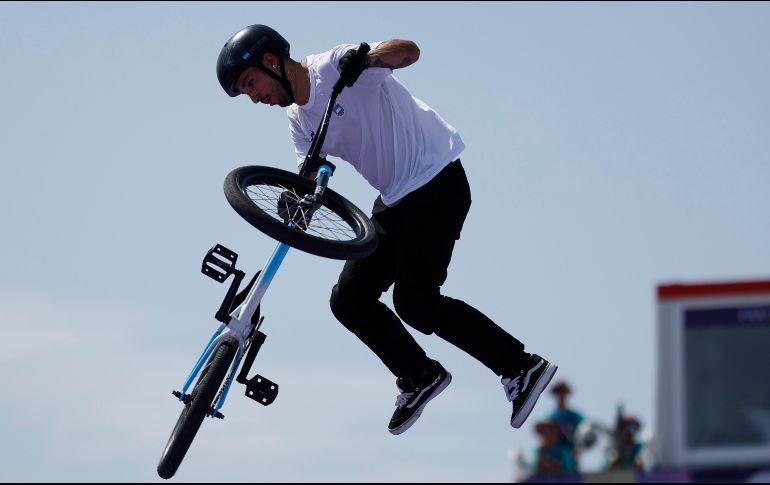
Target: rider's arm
[394, 54]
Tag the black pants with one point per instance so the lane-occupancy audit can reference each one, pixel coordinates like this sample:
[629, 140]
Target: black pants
[417, 237]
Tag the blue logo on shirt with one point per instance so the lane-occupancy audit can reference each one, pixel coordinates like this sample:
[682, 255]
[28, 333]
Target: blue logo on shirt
[338, 110]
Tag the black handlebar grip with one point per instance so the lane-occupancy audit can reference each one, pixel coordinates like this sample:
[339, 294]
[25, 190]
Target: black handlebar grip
[363, 50]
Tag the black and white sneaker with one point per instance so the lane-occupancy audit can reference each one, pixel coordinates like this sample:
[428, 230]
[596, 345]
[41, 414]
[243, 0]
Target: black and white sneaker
[524, 388]
[414, 394]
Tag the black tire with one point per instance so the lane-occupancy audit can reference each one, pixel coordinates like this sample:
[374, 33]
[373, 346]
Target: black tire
[202, 395]
[337, 230]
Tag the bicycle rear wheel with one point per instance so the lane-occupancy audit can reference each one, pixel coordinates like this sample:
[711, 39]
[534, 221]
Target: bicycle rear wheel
[337, 229]
[201, 397]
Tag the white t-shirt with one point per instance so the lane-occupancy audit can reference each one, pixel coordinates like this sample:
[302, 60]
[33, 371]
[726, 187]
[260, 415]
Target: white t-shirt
[396, 141]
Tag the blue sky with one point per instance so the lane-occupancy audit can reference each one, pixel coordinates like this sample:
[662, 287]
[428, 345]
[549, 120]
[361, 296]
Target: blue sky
[611, 147]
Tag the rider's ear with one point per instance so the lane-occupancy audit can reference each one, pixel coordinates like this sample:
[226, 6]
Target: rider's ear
[270, 61]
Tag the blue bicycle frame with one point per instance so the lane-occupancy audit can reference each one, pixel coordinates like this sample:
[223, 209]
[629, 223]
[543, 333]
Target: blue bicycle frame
[240, 325]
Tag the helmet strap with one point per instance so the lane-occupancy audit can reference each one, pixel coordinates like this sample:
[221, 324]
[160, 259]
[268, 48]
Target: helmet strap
[281, 79]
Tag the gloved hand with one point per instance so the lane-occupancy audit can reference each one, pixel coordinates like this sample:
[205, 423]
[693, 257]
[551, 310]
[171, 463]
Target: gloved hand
[353, 63]
[291, 208]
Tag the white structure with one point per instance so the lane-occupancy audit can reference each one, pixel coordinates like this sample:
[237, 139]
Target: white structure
[713, 376]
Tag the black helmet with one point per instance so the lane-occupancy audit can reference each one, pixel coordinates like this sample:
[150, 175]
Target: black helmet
[244, 50]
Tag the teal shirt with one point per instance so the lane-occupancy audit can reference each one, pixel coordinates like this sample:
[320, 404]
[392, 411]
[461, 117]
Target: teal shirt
[561, 454]
[568, 422]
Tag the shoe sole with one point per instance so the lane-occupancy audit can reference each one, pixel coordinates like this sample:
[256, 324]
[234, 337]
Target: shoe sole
[409, 422]
[529, 404]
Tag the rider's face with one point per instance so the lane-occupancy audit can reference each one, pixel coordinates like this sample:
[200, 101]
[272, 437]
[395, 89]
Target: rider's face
[261, 88]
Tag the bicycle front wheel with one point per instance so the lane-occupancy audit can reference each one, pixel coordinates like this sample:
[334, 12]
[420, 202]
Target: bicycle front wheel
[201, 398]
[337, 229]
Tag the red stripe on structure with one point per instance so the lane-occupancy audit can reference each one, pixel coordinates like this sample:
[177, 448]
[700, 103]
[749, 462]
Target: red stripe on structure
[666, 292]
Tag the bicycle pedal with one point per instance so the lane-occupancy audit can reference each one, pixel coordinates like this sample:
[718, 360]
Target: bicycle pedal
[262, 390]
[219, 263]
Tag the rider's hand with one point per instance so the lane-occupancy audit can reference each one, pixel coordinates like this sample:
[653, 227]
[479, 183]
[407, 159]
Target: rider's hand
[351, 65]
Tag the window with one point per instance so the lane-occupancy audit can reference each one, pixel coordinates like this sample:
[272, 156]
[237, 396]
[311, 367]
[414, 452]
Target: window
[727, 376]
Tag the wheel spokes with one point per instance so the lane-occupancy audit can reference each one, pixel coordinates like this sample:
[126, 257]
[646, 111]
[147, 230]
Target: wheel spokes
[324, 222]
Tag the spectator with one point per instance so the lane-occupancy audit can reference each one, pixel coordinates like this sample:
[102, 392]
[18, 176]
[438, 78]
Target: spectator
[553, 457]
[626, 453]
[566, 418]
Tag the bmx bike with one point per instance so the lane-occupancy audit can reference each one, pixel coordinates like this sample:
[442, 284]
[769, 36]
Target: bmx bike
[298, 212]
